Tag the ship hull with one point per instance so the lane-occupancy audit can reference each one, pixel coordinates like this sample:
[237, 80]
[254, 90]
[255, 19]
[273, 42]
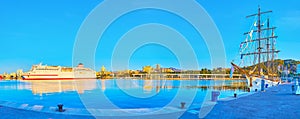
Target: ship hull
[44, 72]
[60, 75]
[260, 84]
[54, 78]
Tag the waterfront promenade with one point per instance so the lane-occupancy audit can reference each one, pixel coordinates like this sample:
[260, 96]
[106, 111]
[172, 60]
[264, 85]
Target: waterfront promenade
[276, 103]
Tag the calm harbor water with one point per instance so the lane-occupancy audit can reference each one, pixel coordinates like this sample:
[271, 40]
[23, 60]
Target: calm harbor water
[122, 93]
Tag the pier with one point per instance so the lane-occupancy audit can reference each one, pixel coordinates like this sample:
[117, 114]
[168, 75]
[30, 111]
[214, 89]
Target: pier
[276, 103]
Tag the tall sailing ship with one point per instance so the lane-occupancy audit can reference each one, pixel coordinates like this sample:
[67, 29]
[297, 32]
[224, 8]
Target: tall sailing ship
[44, 72]
[258, 53]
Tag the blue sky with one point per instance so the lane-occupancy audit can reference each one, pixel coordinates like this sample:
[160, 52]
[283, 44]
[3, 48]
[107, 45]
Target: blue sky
[34, 31]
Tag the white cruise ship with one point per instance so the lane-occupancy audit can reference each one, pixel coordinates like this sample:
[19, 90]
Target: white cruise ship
[44, 72]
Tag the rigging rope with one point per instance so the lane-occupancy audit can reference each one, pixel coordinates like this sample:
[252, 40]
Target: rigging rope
[245, 46]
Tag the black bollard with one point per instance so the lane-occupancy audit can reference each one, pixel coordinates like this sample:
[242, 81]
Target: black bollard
[182, 105]
[60, 107]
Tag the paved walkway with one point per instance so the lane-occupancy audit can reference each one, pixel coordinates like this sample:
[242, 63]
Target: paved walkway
[276, 103]
[10, 112]
[13, 113]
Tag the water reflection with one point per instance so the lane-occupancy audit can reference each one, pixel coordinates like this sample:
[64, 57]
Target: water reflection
[150, 86]
[124, 93]
[157, 85]
[58, 86]
[145, 86]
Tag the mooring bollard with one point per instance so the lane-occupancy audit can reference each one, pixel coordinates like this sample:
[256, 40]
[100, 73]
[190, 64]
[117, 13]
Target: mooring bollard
[60, 107]
[293, 89]
[182, 105]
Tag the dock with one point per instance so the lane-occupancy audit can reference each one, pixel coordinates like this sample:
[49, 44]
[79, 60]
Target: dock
[276, 103]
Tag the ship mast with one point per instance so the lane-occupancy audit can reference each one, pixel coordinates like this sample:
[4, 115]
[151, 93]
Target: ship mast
[260, 50]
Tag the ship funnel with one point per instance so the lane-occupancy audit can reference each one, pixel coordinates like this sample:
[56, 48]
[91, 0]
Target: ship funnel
[80, 65]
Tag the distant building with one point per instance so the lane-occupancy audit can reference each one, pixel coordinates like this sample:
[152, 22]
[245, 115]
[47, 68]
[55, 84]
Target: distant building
[19, 73]
[103, 69]
[147, 69]
[157, 67]
[167, 70]
[290, 67]
[175, 69]
[219, 70]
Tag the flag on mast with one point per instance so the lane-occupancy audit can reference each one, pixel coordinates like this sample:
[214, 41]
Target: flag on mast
[250, 34]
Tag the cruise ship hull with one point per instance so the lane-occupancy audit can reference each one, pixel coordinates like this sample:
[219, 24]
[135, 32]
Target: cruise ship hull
[55, 77]
[259, 84]
[43, 72]
[52, 78]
